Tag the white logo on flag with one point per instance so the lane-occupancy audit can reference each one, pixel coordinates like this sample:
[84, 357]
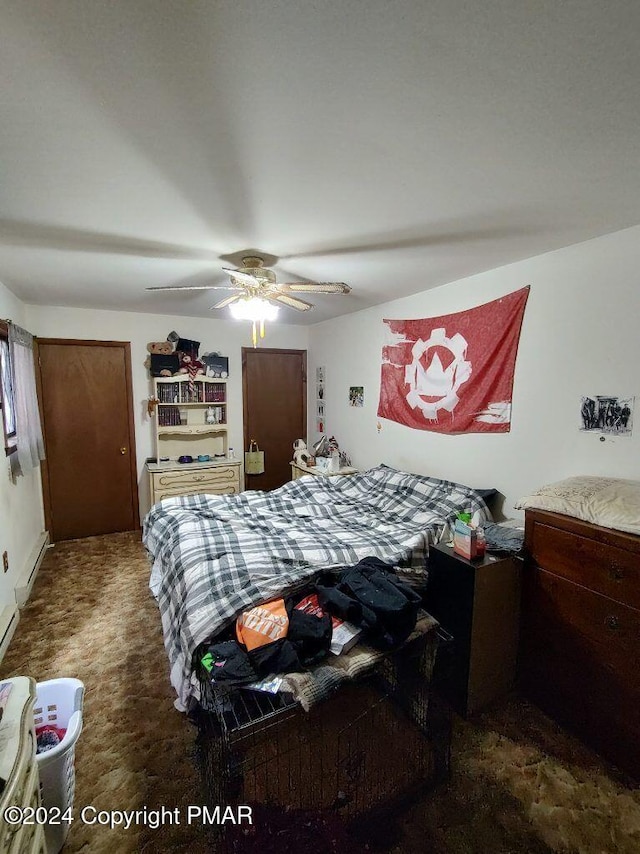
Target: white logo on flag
[436, 381]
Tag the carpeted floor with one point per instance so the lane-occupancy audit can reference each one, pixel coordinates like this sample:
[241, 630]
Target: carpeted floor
[519, 783]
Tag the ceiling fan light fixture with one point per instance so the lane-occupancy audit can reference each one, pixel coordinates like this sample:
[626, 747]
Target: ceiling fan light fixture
[255, 309]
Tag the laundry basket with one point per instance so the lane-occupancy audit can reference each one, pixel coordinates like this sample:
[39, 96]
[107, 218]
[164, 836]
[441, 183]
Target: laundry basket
[58, 703]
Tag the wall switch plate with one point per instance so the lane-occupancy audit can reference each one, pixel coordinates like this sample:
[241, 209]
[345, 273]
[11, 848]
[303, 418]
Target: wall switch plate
[5, 561]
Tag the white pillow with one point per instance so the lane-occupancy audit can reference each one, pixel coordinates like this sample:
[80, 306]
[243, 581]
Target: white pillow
[607, 501]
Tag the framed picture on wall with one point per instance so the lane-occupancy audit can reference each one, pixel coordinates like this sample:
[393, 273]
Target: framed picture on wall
[356, 395]
[607, 413]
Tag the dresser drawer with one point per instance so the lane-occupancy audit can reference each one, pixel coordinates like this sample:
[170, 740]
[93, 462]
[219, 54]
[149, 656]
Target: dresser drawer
[24, 841]
[22, 788]
[604, 629]
[17, 791]
[578, 662]
[197, 477]
[26, 772]
[610, 571]
[221, 480]
[227, 489]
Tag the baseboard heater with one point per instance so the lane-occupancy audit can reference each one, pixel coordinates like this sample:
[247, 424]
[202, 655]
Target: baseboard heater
[9, 617]
[27, 577]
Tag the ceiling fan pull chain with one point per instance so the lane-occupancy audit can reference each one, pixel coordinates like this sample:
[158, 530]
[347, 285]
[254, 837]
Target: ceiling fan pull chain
[262, 328]
[254, 336]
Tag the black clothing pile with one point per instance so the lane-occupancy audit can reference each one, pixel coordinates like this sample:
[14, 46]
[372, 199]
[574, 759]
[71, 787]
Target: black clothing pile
[368, 595]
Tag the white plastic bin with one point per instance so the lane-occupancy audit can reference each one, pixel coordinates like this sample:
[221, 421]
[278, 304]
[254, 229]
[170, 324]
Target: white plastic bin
[58, 703]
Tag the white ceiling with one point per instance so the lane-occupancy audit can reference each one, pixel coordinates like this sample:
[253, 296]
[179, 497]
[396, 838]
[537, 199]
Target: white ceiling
[395, 145]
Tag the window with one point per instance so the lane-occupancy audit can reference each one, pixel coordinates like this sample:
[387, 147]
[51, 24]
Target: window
[6, 393]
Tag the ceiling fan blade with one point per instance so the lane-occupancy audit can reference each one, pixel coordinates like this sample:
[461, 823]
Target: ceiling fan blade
[195, 288]
[291, 302]
[226, 301]
[245, 278]
[315, 287]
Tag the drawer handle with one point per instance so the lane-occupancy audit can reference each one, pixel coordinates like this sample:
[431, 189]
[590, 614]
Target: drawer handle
[612, 623]
[616, 573]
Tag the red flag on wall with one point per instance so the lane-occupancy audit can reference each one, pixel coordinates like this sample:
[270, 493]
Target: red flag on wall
[453, 374]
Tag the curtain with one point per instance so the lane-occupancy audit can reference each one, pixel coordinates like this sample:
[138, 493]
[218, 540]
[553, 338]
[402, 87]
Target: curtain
[28, 428]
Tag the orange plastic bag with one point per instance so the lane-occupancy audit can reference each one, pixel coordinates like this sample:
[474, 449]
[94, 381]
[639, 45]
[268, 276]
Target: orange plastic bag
[263, 624]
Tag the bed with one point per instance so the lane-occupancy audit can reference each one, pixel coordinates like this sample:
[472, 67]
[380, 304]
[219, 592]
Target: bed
[215, 556]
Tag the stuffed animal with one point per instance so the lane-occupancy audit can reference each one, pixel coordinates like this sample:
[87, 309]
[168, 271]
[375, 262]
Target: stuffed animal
[190, 366]
[301, 455]
[159, 348]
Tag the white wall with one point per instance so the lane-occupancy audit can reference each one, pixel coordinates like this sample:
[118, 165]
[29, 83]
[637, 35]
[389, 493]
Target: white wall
[224, 336]
[579, 336]
[21, 516]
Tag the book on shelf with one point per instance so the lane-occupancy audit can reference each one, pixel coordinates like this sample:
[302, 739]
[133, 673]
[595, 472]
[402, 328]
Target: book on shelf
[344, 635]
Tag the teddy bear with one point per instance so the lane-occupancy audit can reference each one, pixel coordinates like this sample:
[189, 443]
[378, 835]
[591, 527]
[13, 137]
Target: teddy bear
[188, 365]
[301, 455]
[159, 348]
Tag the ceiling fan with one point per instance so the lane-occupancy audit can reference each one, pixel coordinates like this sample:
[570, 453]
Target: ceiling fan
[258, 295]
[253, 279]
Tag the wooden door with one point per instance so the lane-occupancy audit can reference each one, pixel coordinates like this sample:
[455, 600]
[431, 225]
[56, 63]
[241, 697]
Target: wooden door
[89, 477]
[274, 386]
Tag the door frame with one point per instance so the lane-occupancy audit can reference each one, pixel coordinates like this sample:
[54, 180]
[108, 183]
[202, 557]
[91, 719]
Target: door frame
[245, 411]
[44, 465]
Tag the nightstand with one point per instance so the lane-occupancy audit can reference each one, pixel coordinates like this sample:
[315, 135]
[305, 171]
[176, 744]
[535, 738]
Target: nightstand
[478, 602]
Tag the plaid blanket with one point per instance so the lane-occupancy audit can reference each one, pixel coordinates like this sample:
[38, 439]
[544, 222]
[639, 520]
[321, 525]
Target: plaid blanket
[215, 556]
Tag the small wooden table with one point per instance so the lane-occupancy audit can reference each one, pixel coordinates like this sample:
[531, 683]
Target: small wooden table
[299, 470]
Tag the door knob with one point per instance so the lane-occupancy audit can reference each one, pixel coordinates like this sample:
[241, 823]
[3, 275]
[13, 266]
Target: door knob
[123, 450]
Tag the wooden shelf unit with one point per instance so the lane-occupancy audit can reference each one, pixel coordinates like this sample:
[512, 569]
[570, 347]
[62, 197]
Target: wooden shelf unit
[181, 429]
[181, 417]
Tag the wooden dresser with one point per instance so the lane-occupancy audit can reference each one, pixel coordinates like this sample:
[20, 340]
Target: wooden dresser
[19, 770]
[580, 631]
